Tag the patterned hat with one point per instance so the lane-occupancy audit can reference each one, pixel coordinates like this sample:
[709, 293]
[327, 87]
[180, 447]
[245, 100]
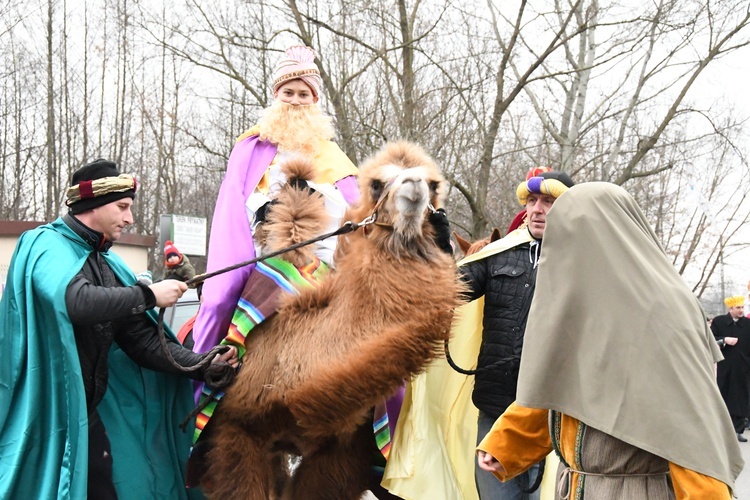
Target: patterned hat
[553, 183]
[298, 63]
[520, 217]
[145, 277]
[97, 184]
[737, 300]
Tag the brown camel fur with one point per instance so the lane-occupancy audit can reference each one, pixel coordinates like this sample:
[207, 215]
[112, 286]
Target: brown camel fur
[314, 371]
[296, 215]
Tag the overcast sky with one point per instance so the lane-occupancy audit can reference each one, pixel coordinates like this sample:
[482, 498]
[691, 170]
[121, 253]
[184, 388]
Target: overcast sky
[726, 83]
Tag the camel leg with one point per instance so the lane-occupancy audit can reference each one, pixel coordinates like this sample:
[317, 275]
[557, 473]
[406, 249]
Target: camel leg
[280, 467]
[239, 465]
[336, 470]
[331, 400]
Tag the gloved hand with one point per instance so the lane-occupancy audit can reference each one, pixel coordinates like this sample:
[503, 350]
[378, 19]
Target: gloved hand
[218, 375]
[439, 221]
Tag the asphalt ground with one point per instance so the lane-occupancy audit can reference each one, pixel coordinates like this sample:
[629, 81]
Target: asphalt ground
[742, 485]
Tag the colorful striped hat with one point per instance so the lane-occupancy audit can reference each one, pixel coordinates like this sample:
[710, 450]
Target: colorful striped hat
[553, 183]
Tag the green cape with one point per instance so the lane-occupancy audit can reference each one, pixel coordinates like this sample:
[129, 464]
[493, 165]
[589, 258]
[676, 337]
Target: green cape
[43, 418]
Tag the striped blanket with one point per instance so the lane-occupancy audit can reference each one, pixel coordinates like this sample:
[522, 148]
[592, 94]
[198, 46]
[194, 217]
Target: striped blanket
[259, 300]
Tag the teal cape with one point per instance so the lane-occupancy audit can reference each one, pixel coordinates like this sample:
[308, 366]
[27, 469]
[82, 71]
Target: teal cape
[43, 415]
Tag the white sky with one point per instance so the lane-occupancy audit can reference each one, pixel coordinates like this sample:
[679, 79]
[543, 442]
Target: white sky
[728, 80]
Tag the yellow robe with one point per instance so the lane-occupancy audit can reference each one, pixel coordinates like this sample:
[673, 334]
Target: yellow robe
[520, 438]
[432, 453]
[331, 164]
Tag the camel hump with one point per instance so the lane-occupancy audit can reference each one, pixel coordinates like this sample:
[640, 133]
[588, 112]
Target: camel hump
[298, 167]
[407, 154]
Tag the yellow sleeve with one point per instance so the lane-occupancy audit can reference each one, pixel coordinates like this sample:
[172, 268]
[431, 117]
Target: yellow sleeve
[689, 484]
[519, 439]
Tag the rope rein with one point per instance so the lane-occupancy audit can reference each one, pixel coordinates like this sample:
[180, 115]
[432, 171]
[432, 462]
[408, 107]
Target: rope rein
[537, 481]
[219, 349]
[483, 369]
[347, 227]
[194, 413]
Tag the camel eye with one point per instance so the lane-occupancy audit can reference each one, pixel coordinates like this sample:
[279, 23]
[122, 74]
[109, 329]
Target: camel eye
[434, 185]
[376, 189]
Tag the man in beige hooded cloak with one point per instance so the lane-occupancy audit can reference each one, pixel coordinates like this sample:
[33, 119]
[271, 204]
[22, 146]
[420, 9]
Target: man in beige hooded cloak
[617, 367]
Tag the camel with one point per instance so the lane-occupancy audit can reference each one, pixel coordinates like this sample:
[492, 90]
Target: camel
[314, 370]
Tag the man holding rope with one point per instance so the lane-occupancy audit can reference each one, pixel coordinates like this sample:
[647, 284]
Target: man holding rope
[63, 383]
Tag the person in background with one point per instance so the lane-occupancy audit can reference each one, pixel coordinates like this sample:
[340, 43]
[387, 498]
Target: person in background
[76, 328]
[178, 265]
[617, 362]
[732, 332]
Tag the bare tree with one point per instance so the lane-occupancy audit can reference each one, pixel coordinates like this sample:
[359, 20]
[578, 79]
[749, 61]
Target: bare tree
[595, 87]
[52, 173]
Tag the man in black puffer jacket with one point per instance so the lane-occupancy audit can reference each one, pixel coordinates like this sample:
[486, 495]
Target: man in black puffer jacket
[506, 280]
[68, 300]
[103, 310]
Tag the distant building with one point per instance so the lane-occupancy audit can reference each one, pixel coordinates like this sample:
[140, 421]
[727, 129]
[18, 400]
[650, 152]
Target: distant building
[132, 248]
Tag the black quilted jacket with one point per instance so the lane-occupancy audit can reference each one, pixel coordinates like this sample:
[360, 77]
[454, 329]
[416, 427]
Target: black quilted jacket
[507, 282]
[102, 310]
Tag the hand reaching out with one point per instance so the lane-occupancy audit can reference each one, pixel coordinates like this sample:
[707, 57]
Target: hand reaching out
[488, 462]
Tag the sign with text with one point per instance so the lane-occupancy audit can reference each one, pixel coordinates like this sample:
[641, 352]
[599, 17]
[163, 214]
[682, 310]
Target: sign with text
[189, 234]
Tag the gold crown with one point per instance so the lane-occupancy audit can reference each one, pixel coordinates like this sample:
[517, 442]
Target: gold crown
[737, 300]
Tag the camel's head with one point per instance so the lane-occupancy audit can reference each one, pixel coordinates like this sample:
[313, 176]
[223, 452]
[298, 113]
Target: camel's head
[400, 184]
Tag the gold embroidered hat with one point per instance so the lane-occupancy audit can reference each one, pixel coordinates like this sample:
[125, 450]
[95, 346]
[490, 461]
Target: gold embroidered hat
[96, 184]
[298, 63]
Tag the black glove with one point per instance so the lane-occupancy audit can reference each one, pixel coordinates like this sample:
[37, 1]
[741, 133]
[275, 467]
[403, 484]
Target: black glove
[439, 221]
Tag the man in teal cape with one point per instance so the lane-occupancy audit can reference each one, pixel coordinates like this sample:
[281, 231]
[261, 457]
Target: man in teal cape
[44, 419]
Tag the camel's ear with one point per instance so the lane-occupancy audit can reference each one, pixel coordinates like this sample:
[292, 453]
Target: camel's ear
[495, 235]
[462, 243]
